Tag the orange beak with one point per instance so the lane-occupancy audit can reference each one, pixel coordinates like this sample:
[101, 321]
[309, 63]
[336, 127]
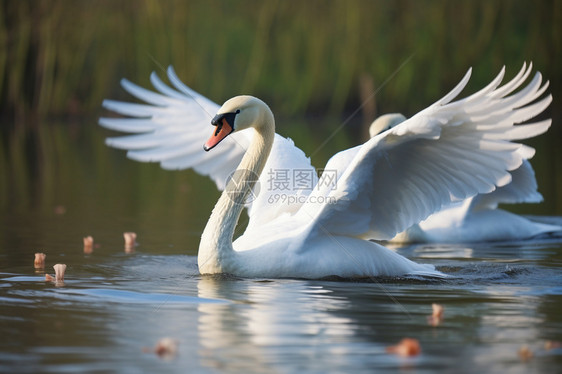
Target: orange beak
[222, 131]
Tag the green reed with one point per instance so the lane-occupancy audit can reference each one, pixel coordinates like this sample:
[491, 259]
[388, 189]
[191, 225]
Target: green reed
[64, 57]
[318, 60]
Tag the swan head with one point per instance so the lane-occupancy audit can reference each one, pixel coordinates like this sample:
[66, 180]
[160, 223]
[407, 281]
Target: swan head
[236, 114]
[385, 122]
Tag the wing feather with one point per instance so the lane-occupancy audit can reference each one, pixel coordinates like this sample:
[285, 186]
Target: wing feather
[170, 127]
[131, 125]
[448, 152]
[522, 189]
[147, 96]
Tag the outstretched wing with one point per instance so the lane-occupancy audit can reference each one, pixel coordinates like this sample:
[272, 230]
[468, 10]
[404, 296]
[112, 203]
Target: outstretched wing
[173, 124]
[522, 189]
[446, 153]
[171, 128]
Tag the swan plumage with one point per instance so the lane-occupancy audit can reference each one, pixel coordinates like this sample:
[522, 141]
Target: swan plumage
[446, 153]
[288, 244]
[478, 218]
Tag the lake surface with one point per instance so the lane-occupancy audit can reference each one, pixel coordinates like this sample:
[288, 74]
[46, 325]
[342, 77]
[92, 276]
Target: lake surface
[115, 305]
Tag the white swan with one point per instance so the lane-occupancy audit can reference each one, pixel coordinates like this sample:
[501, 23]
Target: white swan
[478, 218]
[299, 245]
[447, 152]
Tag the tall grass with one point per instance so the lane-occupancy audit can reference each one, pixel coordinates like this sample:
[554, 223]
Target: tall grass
[63, 57]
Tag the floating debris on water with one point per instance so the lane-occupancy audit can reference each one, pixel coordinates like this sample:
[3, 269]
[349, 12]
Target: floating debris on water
[39, 260]
[407, 347]
[552, 344]
[166, 348]
[88, 245]
[130, 241]
[525, 353]
[59, 274]
[437, 317]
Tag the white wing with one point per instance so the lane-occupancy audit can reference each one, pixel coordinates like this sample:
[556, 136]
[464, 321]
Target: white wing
[522, 189]
[447, 152]
[171, 129]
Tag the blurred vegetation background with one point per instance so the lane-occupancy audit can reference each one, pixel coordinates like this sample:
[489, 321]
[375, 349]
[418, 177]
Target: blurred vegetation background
[314, 62]
[64, 57]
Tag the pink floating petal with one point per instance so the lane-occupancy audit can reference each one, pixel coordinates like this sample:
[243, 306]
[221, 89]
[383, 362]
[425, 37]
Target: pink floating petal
[130, 239]
[525, 353]
[166, 348]
[88, 241]
[88, 245]
[437, 317]
[437, 310]
[406, 348]
[39, 260]
[59, 272]
[552, 344]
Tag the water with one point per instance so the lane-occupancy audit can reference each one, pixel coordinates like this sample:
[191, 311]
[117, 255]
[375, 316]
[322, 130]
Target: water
[114, 306]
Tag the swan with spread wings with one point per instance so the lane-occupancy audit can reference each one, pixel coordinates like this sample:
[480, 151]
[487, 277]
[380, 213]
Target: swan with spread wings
[448, 152]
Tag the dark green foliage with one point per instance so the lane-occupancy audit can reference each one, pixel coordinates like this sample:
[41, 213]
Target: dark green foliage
[61, 57]
[306, 59]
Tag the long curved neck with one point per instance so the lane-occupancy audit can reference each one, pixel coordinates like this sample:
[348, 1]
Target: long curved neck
[215, 248]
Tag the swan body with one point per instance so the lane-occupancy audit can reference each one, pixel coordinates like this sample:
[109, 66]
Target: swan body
[478, 218]
[447, 153]
[288, 245]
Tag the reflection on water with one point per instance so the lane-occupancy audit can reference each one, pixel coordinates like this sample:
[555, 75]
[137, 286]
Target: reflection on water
[113, 303]
[112, 306]
[282, 324]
